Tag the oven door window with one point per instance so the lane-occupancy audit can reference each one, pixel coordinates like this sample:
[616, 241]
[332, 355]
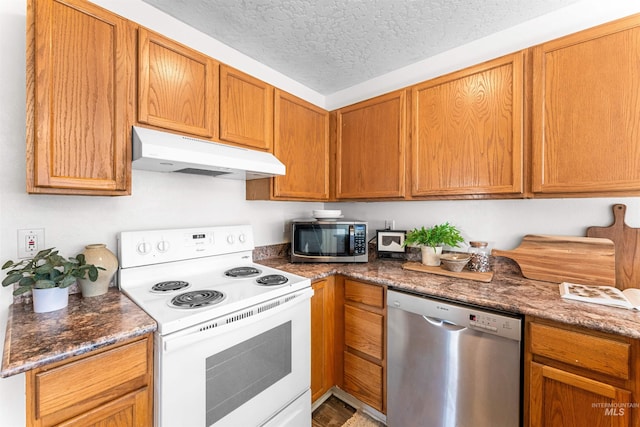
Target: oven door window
[237, 374]
[321, 240]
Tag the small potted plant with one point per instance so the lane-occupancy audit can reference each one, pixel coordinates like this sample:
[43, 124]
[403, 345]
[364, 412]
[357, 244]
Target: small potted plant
[431, 240]
[48, 275]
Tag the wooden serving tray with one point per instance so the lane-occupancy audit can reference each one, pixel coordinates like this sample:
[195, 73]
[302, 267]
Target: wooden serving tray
[585, 260]
[464, 274]
[626, 241]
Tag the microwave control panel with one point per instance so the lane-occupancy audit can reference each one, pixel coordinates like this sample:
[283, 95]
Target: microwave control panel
[360, 239]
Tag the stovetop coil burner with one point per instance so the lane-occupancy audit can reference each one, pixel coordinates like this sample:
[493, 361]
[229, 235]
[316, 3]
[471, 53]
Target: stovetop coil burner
[243, 272]
[197, 299]
[272, 280]
[169, 286]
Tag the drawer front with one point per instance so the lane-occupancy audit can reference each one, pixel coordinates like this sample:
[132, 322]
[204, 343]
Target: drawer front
[363, 380]
[82, 380]
[363, 331]
[363, 293]
[594, 353]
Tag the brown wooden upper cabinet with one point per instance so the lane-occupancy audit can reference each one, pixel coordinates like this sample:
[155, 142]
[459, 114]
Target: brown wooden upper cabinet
[468, 131]
[586, 112]
[301, 142]
[370, 148]
[178, 87]
[246, 110]
[80, 90]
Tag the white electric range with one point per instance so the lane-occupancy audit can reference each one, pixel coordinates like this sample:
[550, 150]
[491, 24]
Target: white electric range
[233, 340]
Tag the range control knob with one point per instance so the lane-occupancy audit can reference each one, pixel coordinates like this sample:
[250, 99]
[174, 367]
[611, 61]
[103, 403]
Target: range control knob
[163, 246]
[242, 238]
[230, 239]
[143, 248]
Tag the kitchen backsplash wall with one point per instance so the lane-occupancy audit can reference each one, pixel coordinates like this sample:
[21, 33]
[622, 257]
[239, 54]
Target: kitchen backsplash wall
[502, 223]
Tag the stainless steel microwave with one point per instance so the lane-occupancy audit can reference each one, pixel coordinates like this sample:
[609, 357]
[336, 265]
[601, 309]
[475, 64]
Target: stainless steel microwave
[329, 241]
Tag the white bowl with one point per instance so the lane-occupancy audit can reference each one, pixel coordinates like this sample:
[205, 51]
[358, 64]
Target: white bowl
[327, 213]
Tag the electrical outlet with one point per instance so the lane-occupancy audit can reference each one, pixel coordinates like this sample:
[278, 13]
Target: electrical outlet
[30, 241]
[389, 224]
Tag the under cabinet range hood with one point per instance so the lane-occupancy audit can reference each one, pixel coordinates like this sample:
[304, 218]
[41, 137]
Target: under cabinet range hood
[167, 152]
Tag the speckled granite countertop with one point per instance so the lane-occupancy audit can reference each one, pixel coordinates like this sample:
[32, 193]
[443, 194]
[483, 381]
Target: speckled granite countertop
[37, 339]
[508, 291]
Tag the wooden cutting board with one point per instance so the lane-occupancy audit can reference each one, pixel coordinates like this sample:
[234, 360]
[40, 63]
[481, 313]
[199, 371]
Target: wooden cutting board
[585, 260]
[627, 242]
[464, 274]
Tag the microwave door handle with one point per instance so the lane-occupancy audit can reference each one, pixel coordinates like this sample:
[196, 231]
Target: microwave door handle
[352, 239]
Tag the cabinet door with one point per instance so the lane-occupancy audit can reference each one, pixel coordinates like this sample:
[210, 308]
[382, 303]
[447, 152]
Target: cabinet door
[246, 110]
[468, 131]
[114, 383]
[80, 88]
[322, 337]
[302, 144]
[178, 87]
[364, 380]
[363, 331]
[371, 138]
[130, 410]
[563, 399]
[586, 112]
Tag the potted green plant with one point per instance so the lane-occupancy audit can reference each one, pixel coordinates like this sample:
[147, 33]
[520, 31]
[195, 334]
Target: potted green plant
[431, 240]
[48, 275]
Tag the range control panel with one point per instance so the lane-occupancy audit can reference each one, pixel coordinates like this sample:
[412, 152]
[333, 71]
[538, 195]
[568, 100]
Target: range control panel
[139, 248]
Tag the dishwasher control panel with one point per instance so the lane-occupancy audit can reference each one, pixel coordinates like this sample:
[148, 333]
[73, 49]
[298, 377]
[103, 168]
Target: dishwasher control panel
[434, 310]
[490, 322]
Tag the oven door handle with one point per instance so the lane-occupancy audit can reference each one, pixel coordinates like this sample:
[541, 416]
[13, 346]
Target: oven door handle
[235, 320]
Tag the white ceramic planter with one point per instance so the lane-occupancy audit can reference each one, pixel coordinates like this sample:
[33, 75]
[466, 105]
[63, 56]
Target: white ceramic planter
[50, 299]
[431, 257]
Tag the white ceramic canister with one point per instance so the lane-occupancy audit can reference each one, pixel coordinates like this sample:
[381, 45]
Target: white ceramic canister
[99, 255]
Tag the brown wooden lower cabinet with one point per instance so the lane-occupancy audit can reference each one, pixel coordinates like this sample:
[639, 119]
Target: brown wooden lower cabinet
[576, 377]
[364, 342]
[364, 380]
[322, 337]
[560, 398]
[108, 387]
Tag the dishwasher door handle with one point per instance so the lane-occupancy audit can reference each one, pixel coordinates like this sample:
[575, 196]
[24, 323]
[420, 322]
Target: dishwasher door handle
[445, 324]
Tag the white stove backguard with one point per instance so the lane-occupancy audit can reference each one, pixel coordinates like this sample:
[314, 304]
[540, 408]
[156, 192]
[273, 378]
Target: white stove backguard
[138, 248]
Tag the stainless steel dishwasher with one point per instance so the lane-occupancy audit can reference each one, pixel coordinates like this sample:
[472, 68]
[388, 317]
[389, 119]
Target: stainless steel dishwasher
[451, 365]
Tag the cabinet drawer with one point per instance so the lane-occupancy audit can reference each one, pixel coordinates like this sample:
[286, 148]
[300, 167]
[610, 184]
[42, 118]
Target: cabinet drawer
[363, 293]
[363, 331]
[85, 379]
[586, 351]
[363, 379]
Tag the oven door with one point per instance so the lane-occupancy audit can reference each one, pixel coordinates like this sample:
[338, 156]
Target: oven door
[240, 370]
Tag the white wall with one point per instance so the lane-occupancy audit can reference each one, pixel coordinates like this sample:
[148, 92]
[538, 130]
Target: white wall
[70, 222]
[160, 201]
[502, 223]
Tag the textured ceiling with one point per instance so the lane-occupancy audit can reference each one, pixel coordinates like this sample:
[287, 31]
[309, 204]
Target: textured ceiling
[330, 45]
